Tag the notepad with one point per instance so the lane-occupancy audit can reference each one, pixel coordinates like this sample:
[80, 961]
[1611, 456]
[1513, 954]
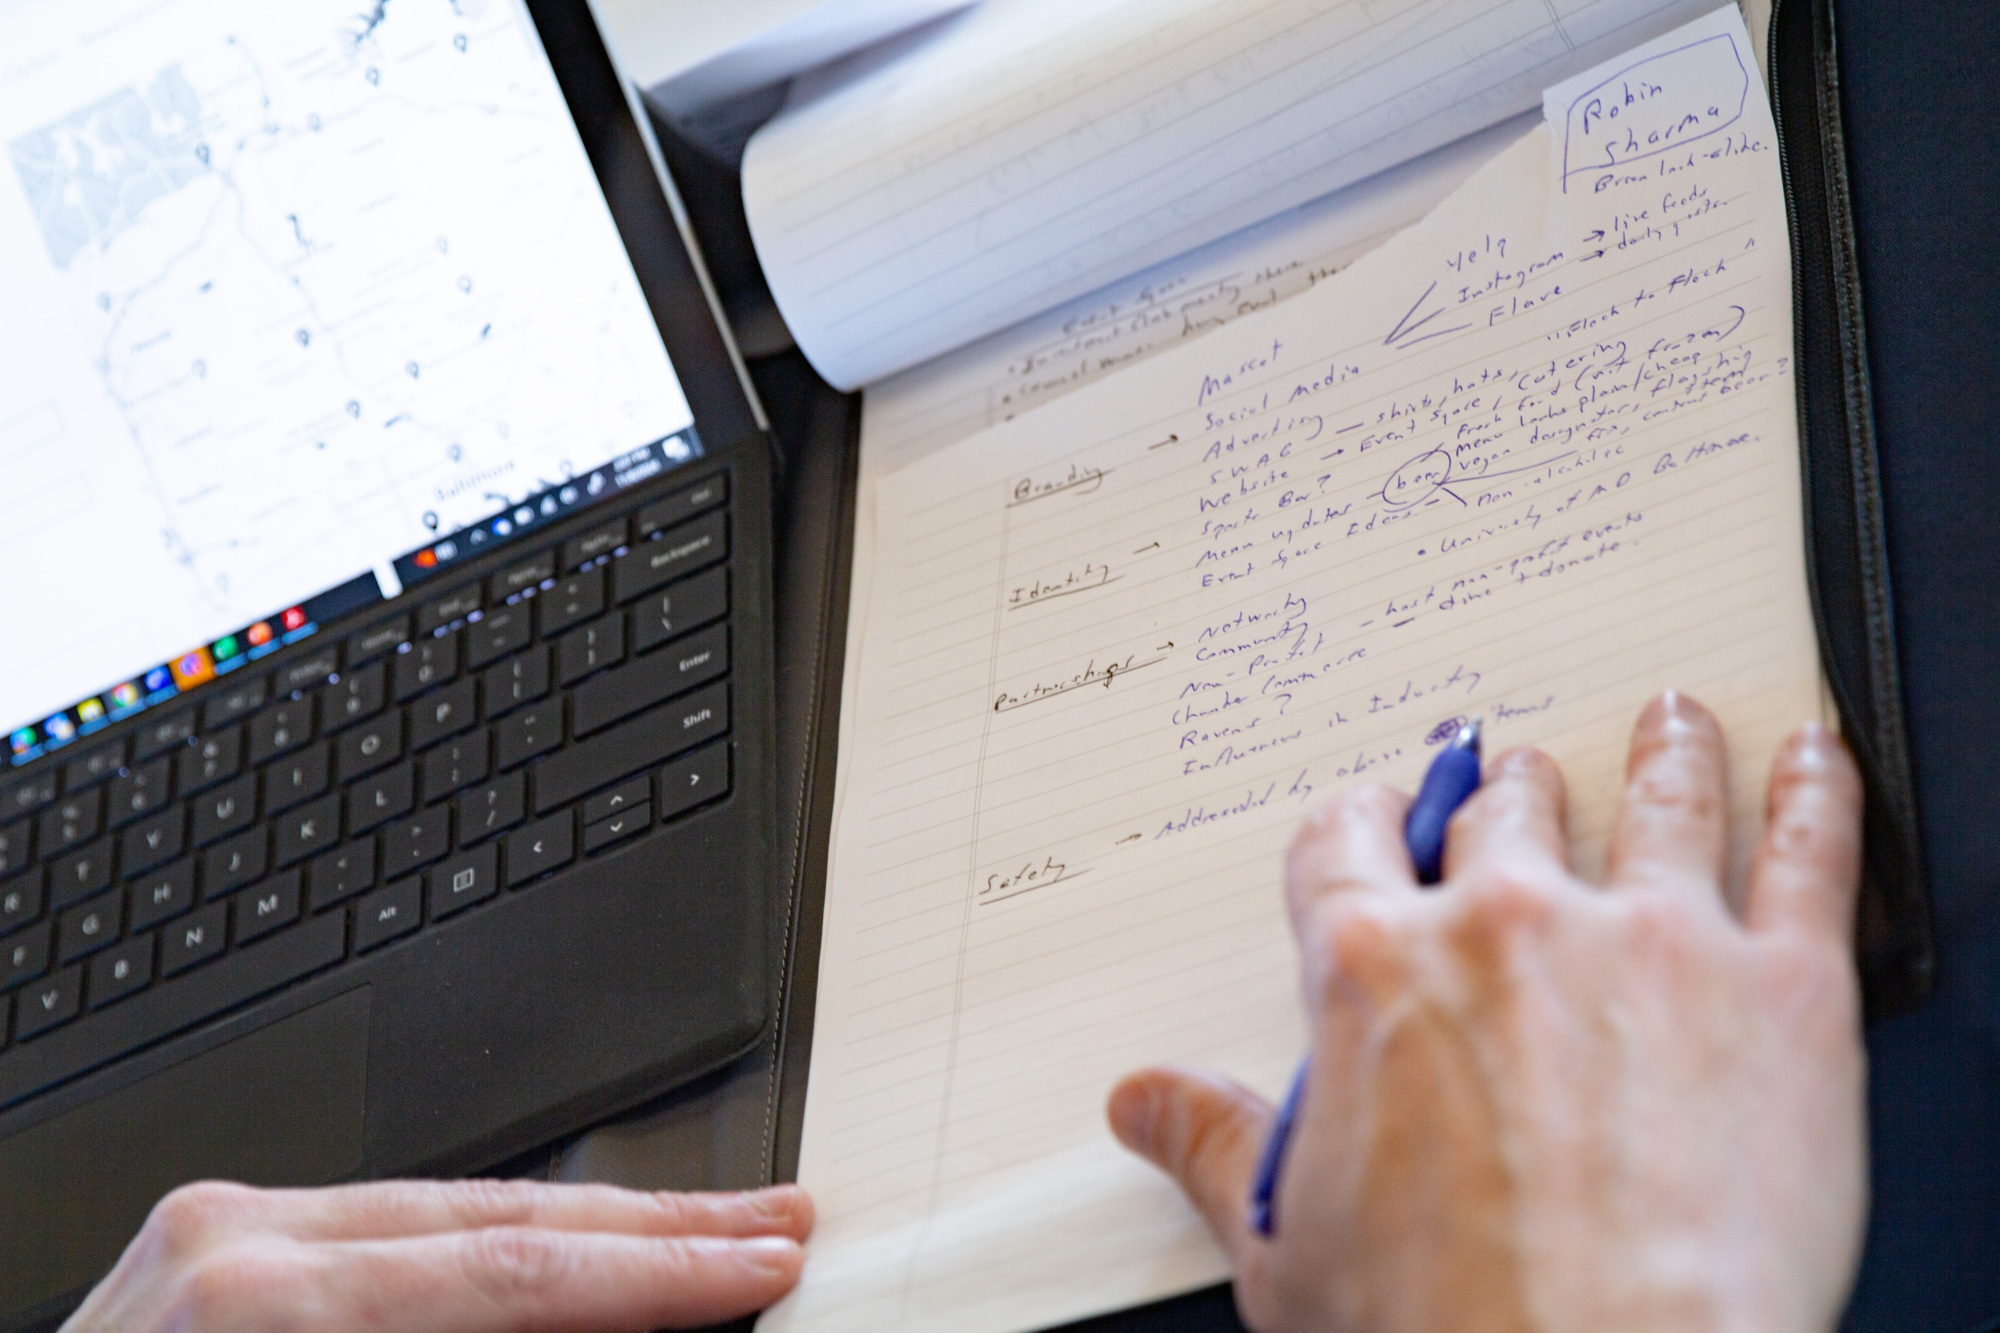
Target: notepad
[1534, 458]
[1031, 151]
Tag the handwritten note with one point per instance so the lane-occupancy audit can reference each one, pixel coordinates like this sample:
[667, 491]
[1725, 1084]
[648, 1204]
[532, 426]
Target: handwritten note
[1027, 153]
[1535, 458]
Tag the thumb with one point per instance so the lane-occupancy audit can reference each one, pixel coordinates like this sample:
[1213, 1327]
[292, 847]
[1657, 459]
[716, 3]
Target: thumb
[1202, 1129]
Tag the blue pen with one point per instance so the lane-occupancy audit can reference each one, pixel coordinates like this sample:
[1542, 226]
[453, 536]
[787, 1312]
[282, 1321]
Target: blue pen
[1449, 782]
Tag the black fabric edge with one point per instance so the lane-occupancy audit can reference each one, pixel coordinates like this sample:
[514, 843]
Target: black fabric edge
[1848, 562]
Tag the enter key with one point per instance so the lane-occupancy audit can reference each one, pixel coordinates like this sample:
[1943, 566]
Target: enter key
[661, 675]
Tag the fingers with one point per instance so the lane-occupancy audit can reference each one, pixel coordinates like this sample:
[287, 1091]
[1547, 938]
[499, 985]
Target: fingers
[1203, 1130]
[1518, 814]
[1808, 867]
[1353, 842]
[1673, 824]
[418, 1207]
[504, 1279]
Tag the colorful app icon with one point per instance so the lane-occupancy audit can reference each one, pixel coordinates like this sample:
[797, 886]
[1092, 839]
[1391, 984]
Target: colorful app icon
[192, 669]
[225, 648]
[159, 678]
[89, 711]
[124, 696]
[294, 619]
[259, 634]
[59, 727]
[23, 740]
[427, 559]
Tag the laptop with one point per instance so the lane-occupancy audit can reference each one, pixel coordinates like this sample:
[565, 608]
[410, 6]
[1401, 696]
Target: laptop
[387, 697]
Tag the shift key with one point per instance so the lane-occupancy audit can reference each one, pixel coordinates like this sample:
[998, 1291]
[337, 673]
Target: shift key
[693, 661]
[639, 743]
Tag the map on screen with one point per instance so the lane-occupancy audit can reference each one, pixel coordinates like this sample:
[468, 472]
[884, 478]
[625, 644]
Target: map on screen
[286, 289]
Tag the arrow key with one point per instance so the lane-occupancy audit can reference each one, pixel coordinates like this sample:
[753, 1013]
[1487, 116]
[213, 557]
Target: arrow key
[695, 780]
[625, 796]
[540, 847]
[598, 836]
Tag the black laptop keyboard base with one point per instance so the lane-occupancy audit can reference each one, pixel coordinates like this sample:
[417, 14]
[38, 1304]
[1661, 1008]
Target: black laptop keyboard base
[293, 818]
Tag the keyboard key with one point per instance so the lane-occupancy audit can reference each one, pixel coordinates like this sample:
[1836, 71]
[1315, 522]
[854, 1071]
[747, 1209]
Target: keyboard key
[16, 848]
[389, 914]
[518, 681]
[88, 927]
[650, 680]
[529, 573]
[683, 504]
[618, 800]
[233, 702]
[213, 759]
[307, 672]
[379, 799]
[356, 696]
[492, 809]
[217, 814]
[602, 834]
[499, 632]
[120, 972]
[139, 792]
[20, 903]
[266, 907]
[70, 822]
[454, 605]
[194, 939]
[444, 714]
[414, 843]
[154, 840]
[539, 848]
[695, 780]
[592, 544]
[162, 895]
[309, 830]
[75, 877]
[678, 608]
[298, 777]
[458, 764]
[229, 866]
[94, 767]
[640, 743]
[25, 956]
[339, 875]
[464, 880]
[161, 734]
[675, 552]
[429, 663]
[28, 795]
[49, 1003]
[376, 640]
[367, 748]
[596, 646]
[571, 602]
[532, 731]
[284, 728]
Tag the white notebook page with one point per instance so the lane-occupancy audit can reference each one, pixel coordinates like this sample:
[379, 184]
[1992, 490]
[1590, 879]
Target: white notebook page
[1034, 150]
[1535, 458]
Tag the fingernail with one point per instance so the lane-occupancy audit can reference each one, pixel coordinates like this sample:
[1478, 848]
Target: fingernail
[773, 1203]
[1133, 1111]
[1814, 744]
[770, 1254]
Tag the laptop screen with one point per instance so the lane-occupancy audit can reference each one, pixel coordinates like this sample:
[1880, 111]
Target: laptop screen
[299, 302]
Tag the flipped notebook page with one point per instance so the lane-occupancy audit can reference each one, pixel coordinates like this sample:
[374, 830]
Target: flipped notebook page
[1031, 151]
[1536, 458]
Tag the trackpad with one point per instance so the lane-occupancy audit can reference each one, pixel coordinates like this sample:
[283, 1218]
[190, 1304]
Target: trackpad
[282, 1106]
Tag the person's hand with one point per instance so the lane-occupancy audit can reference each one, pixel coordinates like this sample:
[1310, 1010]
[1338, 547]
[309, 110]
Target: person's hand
[1536, 1104]
[476, 1256]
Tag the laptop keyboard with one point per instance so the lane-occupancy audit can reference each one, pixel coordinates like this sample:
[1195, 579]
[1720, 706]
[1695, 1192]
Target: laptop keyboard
[286, 820]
